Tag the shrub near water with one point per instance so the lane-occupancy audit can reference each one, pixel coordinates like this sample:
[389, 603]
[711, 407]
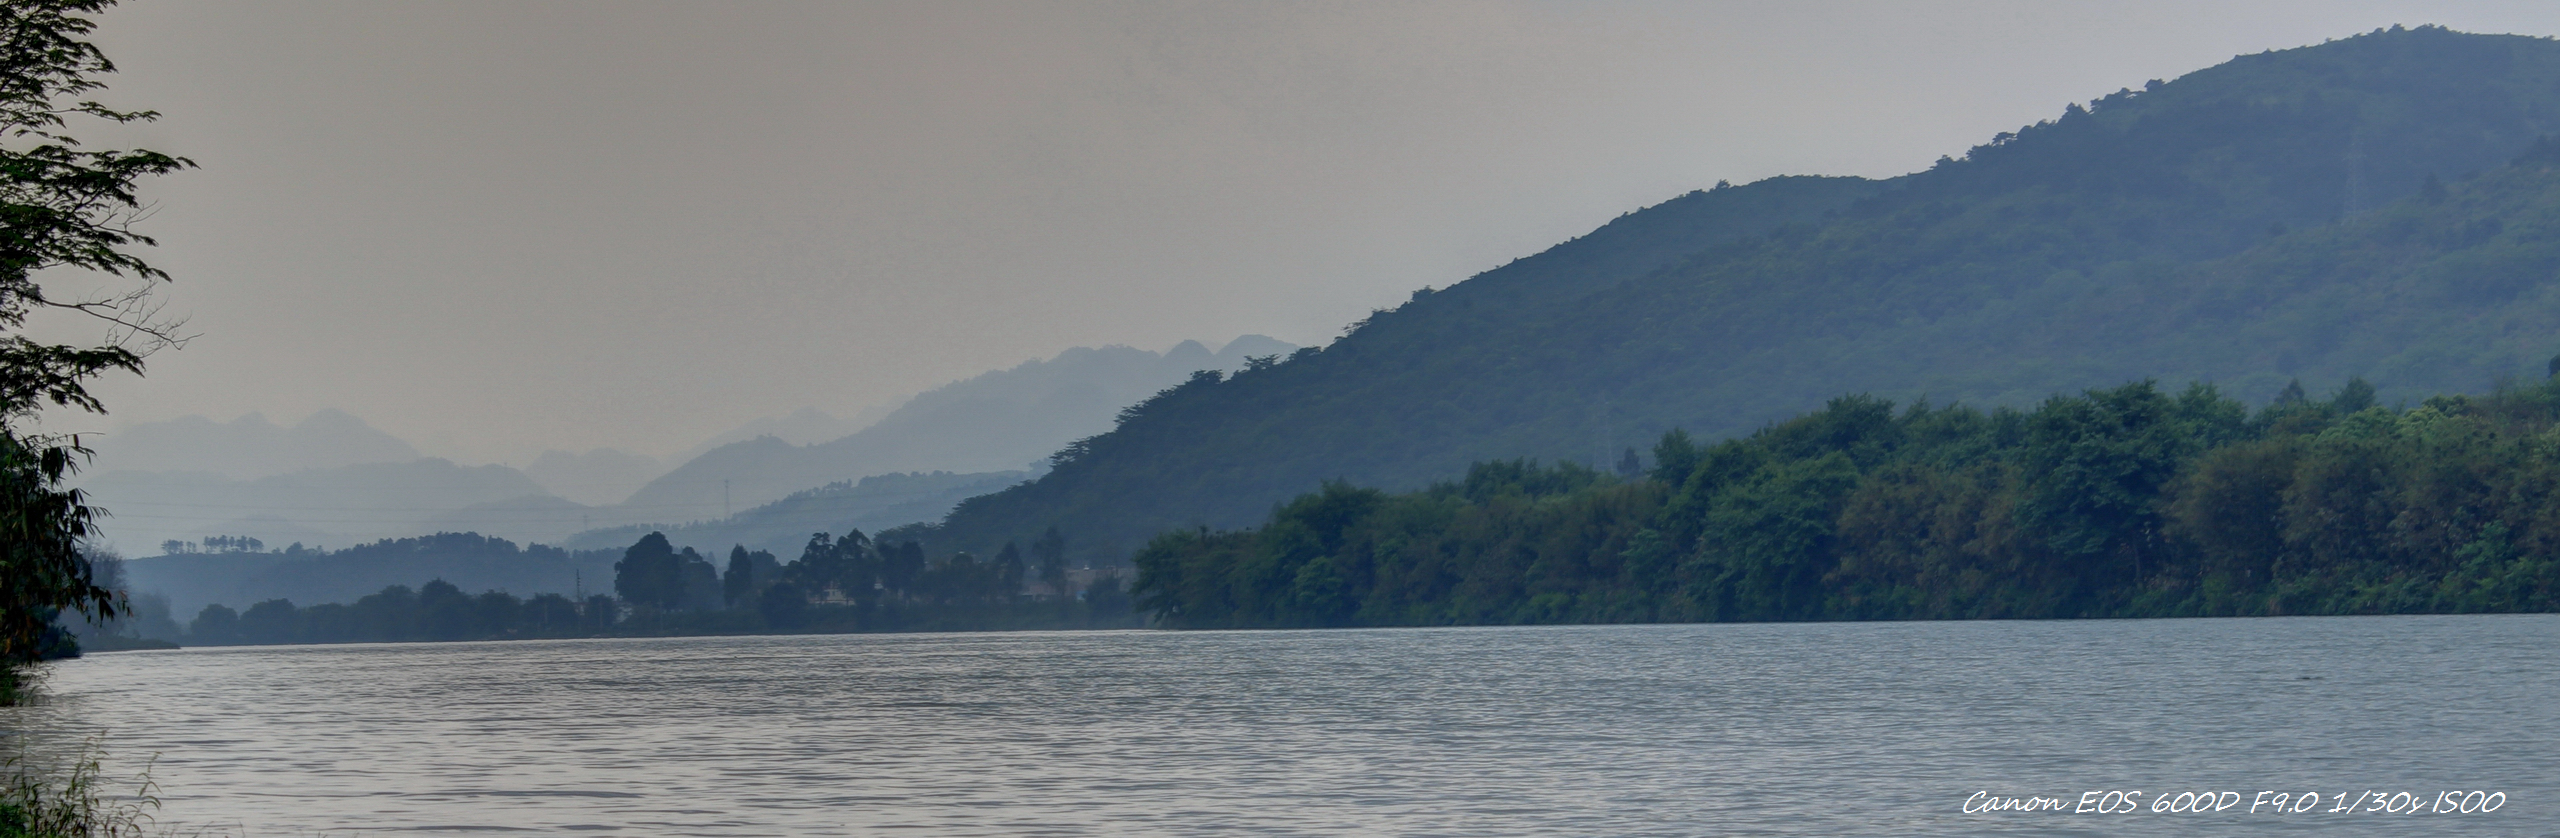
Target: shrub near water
[38, 800]
[2123, 502]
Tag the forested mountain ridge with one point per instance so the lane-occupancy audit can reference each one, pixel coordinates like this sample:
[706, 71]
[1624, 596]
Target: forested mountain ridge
[2236, 225]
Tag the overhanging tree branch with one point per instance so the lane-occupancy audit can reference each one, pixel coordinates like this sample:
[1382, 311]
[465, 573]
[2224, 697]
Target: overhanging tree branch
[62, 207]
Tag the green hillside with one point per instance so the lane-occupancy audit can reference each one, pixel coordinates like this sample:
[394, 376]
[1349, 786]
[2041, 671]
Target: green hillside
[2316, 213]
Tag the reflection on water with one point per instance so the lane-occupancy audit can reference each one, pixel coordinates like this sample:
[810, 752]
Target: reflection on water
[1832, 729]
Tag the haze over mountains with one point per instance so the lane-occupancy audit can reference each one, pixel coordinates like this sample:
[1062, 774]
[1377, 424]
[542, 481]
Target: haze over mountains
[2379, 206]
[328, 506]
[871, 504]
[333, 480]
[248, 447]
[606, 476]
[2221, 227]
[1005, 420]
[597, 477]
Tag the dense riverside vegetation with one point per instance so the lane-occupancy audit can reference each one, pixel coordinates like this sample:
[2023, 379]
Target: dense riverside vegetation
[2308, 213]
[2122, 502]
[836, 585]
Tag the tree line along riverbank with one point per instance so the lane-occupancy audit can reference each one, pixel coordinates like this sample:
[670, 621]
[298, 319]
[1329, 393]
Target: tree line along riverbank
[2130, 501]
[2124, 502]
[837, 585]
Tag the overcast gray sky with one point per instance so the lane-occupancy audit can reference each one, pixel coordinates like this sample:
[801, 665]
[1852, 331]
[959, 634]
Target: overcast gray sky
[499, 227]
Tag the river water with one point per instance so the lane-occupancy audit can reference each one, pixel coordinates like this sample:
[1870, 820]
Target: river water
[1815, 730]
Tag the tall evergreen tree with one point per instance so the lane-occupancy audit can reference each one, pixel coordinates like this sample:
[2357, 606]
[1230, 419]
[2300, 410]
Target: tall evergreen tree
[650, 574]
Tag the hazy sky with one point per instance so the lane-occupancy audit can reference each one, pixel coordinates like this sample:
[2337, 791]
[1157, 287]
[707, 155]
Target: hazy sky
[494, 228]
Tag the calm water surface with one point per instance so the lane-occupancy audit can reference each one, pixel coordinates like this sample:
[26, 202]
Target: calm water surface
[1837, 729]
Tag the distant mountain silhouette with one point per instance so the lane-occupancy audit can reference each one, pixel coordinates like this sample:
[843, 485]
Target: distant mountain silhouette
[872, 504]
[894, 472]
[470, 561]
[525, 519]
[598, 477]
[248, 447]
[806, 426]
[347, 503]
[1003, 420]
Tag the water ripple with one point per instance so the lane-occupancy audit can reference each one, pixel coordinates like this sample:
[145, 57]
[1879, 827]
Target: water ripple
[1836, 729]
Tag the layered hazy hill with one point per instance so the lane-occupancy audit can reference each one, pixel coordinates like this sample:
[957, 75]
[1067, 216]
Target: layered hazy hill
[1006, 420]
[322, 506]
[331, 480]
[871, 504]
[595, 477]
[249, 447]
[606, 476]
[2317, 213]
[189, 582]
